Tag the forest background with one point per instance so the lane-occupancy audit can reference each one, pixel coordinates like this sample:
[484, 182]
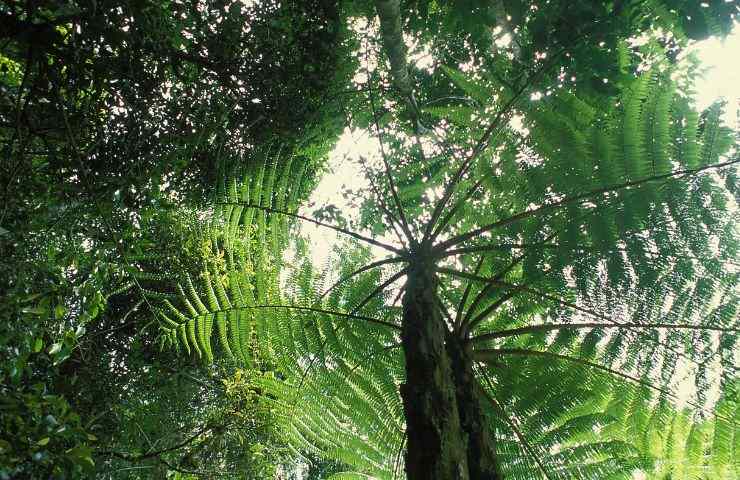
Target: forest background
[130, 129]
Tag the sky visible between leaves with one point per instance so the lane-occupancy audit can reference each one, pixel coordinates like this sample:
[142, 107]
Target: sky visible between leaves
[721, 59]
[344, 175]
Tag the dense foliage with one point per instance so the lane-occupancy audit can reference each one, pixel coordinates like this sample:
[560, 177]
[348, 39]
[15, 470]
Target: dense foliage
[114, 122]
[540, 282]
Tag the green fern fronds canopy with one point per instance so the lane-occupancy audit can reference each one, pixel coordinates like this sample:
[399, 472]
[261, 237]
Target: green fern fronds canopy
[580, 260]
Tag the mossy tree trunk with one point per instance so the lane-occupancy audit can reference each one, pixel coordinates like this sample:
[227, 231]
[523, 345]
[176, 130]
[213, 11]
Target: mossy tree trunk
[481, 448]
[446, 434]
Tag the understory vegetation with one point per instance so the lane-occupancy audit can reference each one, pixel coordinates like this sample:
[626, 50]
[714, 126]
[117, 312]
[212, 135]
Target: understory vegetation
[536, 278]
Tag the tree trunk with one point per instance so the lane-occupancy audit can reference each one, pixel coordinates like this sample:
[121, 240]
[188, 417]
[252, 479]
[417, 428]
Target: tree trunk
[481, 447]
[447, 438]
[436, 447]
[389, 12]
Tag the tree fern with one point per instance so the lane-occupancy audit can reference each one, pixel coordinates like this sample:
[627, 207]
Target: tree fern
[556, 294]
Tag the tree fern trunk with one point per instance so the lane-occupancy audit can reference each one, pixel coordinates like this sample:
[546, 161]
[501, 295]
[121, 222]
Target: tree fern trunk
[447, 438]
[480, 447]
[435, 439]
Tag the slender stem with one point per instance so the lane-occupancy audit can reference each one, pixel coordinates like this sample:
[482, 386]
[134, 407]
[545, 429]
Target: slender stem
[398, 295]
[460, 173]
[484, 291]
[469, 326]
[483, 355]
[350, 233]
[466, 293]
[451, 213]
[499, 275]
[397, 461]
[360, 270]
[573, 306]
[351, 316]
[577, 198]
[331, 312]
[458, 204]
[676, 255]
[494, 282]
[386, 166]
[496, 247]
[483, 142]
[546, 328]
[381, 202]
[510, 421]
[138, 458]
[379, 289]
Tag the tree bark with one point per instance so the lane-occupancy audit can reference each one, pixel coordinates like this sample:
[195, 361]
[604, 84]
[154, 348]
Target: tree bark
[437, 448]
[389, 13]
[481, 447]
[447, 437]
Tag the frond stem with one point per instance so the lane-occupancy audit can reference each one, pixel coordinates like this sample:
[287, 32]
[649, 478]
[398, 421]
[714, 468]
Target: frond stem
[351, 316]
[514, 428]
[546, 328]
[451, 213]
[483, 355]
[483, 143]
[466, 294]
[498, 276]
[360, 270]
[493, 282]
[379, 289]
[470, 325]
[552, 206]
[387, 168]
[497, 247]
[381, 203]
[344, 231]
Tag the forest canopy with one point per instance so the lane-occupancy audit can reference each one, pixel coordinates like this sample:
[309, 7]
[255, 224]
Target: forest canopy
[536, 278]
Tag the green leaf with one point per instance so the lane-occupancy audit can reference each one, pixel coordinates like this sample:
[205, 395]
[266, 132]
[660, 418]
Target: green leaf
[40, 311]
[82, 455]
[55, 348]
